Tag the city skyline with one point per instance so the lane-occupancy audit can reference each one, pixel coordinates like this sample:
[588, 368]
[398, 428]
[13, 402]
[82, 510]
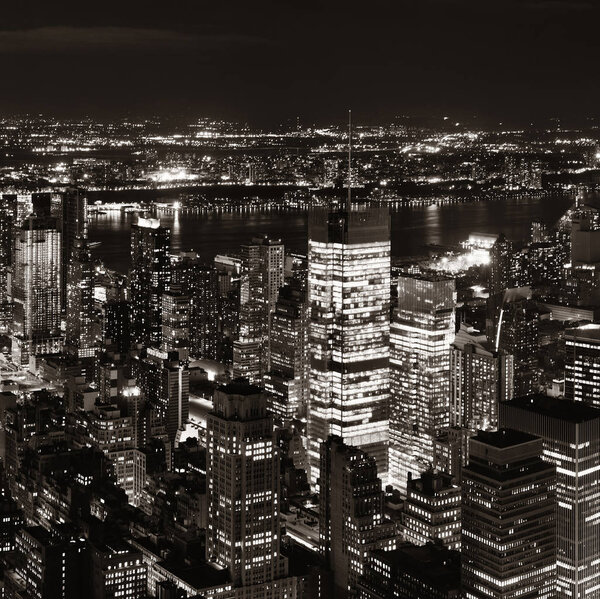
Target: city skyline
[300, 300]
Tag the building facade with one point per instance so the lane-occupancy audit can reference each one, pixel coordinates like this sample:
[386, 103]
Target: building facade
[421, 333]
[508, 518]
[349, 306]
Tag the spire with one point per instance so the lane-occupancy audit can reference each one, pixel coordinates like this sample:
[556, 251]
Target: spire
[349, 199]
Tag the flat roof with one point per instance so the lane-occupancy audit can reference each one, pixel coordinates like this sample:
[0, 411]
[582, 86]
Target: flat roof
[562, 409]
[504, 437]
[587, 331]
[240, 388]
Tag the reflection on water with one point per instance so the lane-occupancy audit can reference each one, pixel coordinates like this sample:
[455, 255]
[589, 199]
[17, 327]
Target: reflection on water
[412, 227]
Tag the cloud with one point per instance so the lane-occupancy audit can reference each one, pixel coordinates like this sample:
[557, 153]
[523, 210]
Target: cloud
[65, 40]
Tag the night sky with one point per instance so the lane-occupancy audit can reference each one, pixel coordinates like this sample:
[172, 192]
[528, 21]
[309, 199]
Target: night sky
[266, 62]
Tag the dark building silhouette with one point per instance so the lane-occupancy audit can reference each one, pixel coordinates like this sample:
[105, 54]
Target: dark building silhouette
[427, 572]
[571, 439]
[508, 518]
[351, 518]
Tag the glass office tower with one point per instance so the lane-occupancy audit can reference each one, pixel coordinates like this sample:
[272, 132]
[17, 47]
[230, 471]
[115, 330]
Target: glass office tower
[349, 305]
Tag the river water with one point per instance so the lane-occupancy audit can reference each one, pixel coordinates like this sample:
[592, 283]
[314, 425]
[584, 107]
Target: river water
[413, 227]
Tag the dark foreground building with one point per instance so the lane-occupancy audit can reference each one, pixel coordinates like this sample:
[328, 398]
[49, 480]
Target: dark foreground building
[426, 572]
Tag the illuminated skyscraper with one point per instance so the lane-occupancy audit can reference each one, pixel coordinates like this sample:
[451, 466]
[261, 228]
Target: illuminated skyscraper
[36, 288]
[200, 283]
[480, 378]
[150, 278]
[74, 227]
[500, 266]
[571, 436]
[517, 333]
[8, 217]
[349, 304]
[262, 276]
[175, 314]
[242, 468]
[582, 364]
[80, 301]
[287, 379]
[508, 518]
[421, 334]
[351, 519]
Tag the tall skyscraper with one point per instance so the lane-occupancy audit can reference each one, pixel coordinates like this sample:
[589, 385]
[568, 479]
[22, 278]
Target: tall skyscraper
[480, 378]
[8, 218]
[571, 437]
[582, 364]
[351, 519]
[165, 382]
[243, 487]
[287, 379]
[517, 333]
[74, 227]
[150, 278]
[500, 266]
[36, 289]
[508, 518]
[175, 314]
[200, 282]
[421, 334]
[349, 303]
[79, 337]
[261, 279]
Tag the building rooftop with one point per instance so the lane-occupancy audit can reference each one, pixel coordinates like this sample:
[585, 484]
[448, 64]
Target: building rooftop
[240, 387]
[561, 409]
[587, 331]
[504, 437]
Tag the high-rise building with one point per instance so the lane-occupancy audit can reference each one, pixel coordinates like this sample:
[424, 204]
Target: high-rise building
[48, 565]
[287, 379]
[517, 334]
[480, 378]
[582, 364]
[500, 266]
[571, 437]
[421, 333]
[79, 337]
[432, 510]
[508, 518]
[116, 325]
[243, 487]
[36, 289]
[349, 304]
[200, 282]
[165, 382]
[8, 218]
[74, 220]
[175, 314]
[150, 278]
[427, 572]
[351, 518]
[261, 279]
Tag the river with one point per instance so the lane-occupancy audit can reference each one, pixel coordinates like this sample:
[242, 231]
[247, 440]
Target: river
[413, 227]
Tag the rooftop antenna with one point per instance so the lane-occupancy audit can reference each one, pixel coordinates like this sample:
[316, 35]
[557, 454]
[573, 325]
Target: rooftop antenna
[349, 200]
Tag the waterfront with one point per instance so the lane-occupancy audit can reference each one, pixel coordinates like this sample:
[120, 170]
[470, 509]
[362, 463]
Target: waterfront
[413, 227]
